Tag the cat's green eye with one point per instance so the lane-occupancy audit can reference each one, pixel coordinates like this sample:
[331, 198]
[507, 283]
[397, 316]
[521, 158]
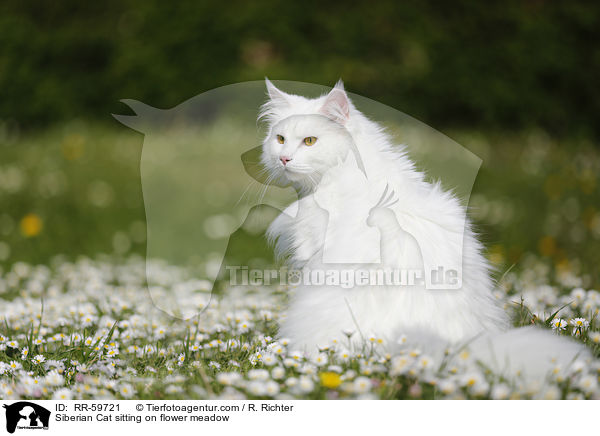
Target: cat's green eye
[280, 139]
[310, 140]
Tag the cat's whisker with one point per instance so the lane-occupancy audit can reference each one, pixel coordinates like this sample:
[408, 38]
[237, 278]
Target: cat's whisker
[267, 184]
[261, 172]
[264, 190]
[245, 191]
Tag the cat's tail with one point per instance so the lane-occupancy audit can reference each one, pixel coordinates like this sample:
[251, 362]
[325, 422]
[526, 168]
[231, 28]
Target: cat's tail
[530, 352]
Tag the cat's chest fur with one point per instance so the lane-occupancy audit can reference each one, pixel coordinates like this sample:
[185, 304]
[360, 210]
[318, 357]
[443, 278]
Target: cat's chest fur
[318, 238]
[319, 313]
[299, 232]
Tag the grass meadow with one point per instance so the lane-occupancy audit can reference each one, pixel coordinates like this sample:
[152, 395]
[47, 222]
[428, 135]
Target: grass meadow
[78, 320]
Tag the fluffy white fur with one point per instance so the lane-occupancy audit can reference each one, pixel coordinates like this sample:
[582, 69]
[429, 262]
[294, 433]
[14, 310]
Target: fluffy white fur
[419, 225]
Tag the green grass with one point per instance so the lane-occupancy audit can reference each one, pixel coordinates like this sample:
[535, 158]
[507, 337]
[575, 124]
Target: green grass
[532, 195]
[535, 203]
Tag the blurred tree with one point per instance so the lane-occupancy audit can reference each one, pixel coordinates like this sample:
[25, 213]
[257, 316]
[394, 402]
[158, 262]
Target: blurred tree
[466, 63]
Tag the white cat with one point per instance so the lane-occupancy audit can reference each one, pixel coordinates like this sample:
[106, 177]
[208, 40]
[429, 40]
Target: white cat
[361, 201]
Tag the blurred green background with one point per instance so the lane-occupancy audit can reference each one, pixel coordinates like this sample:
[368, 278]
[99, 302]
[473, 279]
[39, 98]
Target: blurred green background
[514, 82]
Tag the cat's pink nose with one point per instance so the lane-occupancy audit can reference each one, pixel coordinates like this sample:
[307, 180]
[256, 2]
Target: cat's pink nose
[284, 160]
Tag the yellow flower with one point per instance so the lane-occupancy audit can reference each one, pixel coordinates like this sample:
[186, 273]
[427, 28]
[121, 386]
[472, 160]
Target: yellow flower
[31, 225]
[330, 380]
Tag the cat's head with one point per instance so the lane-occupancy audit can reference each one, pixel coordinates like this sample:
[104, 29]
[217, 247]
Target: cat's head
[306, 137]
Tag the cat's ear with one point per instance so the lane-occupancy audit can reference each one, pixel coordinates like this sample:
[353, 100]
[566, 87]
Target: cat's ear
[337, 104]
[276, 95]
[339, 85]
